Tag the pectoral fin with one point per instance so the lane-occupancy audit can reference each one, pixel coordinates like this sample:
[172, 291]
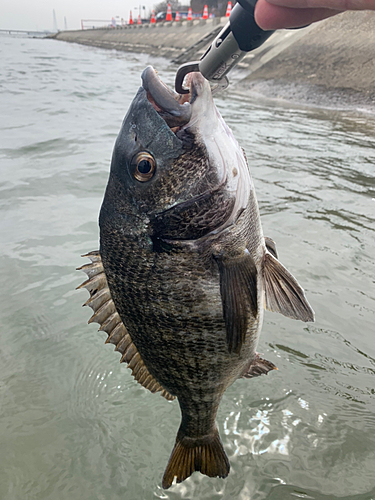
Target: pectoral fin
[238, 288]
[283, 293]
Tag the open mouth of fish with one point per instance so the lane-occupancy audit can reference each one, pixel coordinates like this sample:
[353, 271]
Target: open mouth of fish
[175, 109]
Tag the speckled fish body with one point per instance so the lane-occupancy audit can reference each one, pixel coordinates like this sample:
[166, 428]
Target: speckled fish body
[183, 265]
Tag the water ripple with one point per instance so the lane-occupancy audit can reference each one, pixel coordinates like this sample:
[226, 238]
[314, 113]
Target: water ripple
[74, 424]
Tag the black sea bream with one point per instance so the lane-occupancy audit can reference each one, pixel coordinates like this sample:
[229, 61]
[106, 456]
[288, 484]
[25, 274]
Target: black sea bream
[184, 272]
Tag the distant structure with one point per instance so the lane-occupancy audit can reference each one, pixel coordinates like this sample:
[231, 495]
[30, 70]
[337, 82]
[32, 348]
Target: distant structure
[65, 24]
[55, 29]
[215, 7]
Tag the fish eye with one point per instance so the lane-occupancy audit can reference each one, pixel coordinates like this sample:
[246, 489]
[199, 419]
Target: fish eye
[145, 166]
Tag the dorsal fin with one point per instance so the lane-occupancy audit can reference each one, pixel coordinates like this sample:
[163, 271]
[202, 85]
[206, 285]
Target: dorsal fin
[106, 315]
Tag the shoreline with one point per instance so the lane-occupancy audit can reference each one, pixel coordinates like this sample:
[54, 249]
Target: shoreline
[330, 64]
[308, 96]
[168, 39]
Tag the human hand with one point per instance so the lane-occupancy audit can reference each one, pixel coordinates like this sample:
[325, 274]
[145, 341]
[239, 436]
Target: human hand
[277, 14]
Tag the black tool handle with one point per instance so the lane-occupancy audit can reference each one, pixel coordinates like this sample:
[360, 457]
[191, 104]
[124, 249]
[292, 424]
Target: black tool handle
[239, 36]
[247, 33]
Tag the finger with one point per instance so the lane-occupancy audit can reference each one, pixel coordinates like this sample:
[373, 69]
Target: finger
[273, 17]
[331, 4]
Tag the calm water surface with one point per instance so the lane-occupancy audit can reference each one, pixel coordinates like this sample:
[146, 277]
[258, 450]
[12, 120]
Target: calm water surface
[73, 423]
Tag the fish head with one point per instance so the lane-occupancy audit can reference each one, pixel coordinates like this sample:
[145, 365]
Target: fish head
[177, 172]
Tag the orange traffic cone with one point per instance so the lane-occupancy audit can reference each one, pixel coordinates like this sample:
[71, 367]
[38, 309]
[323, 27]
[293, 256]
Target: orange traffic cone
[131, 18]
[139, 21]
[229, 8]
[177, 18]
[190, 15]
[153, 20]
[169, 13]
[205, 12]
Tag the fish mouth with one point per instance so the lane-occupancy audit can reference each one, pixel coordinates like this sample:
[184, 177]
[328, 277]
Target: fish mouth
[175, 109]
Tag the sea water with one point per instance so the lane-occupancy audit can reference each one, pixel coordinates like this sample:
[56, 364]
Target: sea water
[73, 422]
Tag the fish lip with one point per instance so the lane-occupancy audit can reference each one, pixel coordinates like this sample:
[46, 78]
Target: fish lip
[164, 100]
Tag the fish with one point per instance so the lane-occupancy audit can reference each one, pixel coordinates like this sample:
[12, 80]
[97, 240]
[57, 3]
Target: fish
[183, 272]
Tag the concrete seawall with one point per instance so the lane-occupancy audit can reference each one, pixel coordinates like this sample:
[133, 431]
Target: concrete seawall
[163, 39]
[331, 64]
[327, 63]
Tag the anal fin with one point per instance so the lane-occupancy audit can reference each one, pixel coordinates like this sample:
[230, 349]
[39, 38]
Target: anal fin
[238, 289]
[258, 366]
[283, 293]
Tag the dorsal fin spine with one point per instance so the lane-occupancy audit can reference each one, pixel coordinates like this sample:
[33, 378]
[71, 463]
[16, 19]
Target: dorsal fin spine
[134, 361]
[98, 299]
[129, 351]
[143, 374]
[118, 332]
[103, 312]
[110, 324]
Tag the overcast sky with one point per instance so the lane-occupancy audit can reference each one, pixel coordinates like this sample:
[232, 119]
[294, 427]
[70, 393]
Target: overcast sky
[38, 14]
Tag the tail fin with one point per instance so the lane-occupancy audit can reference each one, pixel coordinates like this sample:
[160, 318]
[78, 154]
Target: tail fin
[204, 454]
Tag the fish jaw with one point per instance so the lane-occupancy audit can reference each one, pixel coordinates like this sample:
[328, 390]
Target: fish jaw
[176, 111]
